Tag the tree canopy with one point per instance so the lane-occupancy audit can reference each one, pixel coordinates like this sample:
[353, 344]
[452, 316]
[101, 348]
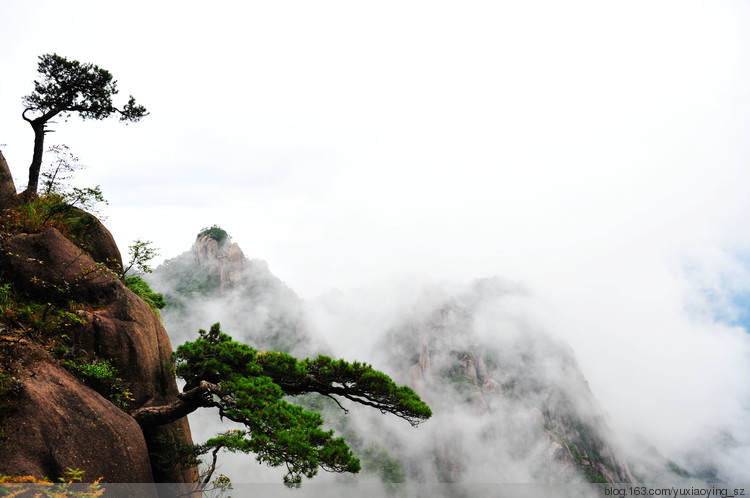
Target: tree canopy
[215, 232]
[248, 386]
[68, 87]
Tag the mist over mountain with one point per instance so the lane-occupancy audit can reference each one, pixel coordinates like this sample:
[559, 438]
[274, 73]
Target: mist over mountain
[510, 402]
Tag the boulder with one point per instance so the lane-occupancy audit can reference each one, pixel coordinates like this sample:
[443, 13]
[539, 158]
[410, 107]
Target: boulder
[57, 423]
[48, 266]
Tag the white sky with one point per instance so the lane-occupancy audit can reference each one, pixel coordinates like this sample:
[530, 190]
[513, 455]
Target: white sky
[596, 151]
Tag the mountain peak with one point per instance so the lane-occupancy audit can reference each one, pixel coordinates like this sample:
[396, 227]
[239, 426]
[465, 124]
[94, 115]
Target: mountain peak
[217, 254]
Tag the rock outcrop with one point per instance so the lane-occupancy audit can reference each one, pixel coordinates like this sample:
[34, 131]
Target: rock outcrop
[221, 261]
[55, 421]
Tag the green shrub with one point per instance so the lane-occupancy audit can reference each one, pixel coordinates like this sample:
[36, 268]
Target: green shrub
[102, 377]
[41, 212]
[5, 296]
[142, 289]
[57, 211]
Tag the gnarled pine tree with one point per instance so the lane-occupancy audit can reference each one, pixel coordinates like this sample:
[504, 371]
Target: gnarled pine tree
[70, 87]
[248, 386]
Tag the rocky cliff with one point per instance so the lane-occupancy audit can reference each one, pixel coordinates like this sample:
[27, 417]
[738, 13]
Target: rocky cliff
[78, 352]
[222, 261]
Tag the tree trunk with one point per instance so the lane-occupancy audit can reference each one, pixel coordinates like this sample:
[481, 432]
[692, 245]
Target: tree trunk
[38, 125]
[36, 161]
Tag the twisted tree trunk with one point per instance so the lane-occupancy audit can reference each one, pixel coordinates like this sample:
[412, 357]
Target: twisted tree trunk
[189, 401]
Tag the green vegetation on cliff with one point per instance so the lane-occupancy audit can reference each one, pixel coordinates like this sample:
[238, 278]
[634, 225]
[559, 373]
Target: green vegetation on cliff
[102, 377]
[214, 232]
[142, 289]
[55, 211]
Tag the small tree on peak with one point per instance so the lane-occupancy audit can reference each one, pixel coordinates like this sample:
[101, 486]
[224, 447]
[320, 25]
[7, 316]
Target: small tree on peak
[70, 87]
[214, 232]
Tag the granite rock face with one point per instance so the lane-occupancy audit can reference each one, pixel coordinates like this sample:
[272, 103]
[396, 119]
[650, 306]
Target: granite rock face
[56, 421]
[221, 261]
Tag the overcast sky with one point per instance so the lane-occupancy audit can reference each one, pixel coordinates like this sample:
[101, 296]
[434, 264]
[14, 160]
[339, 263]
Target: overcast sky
[595, 151]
